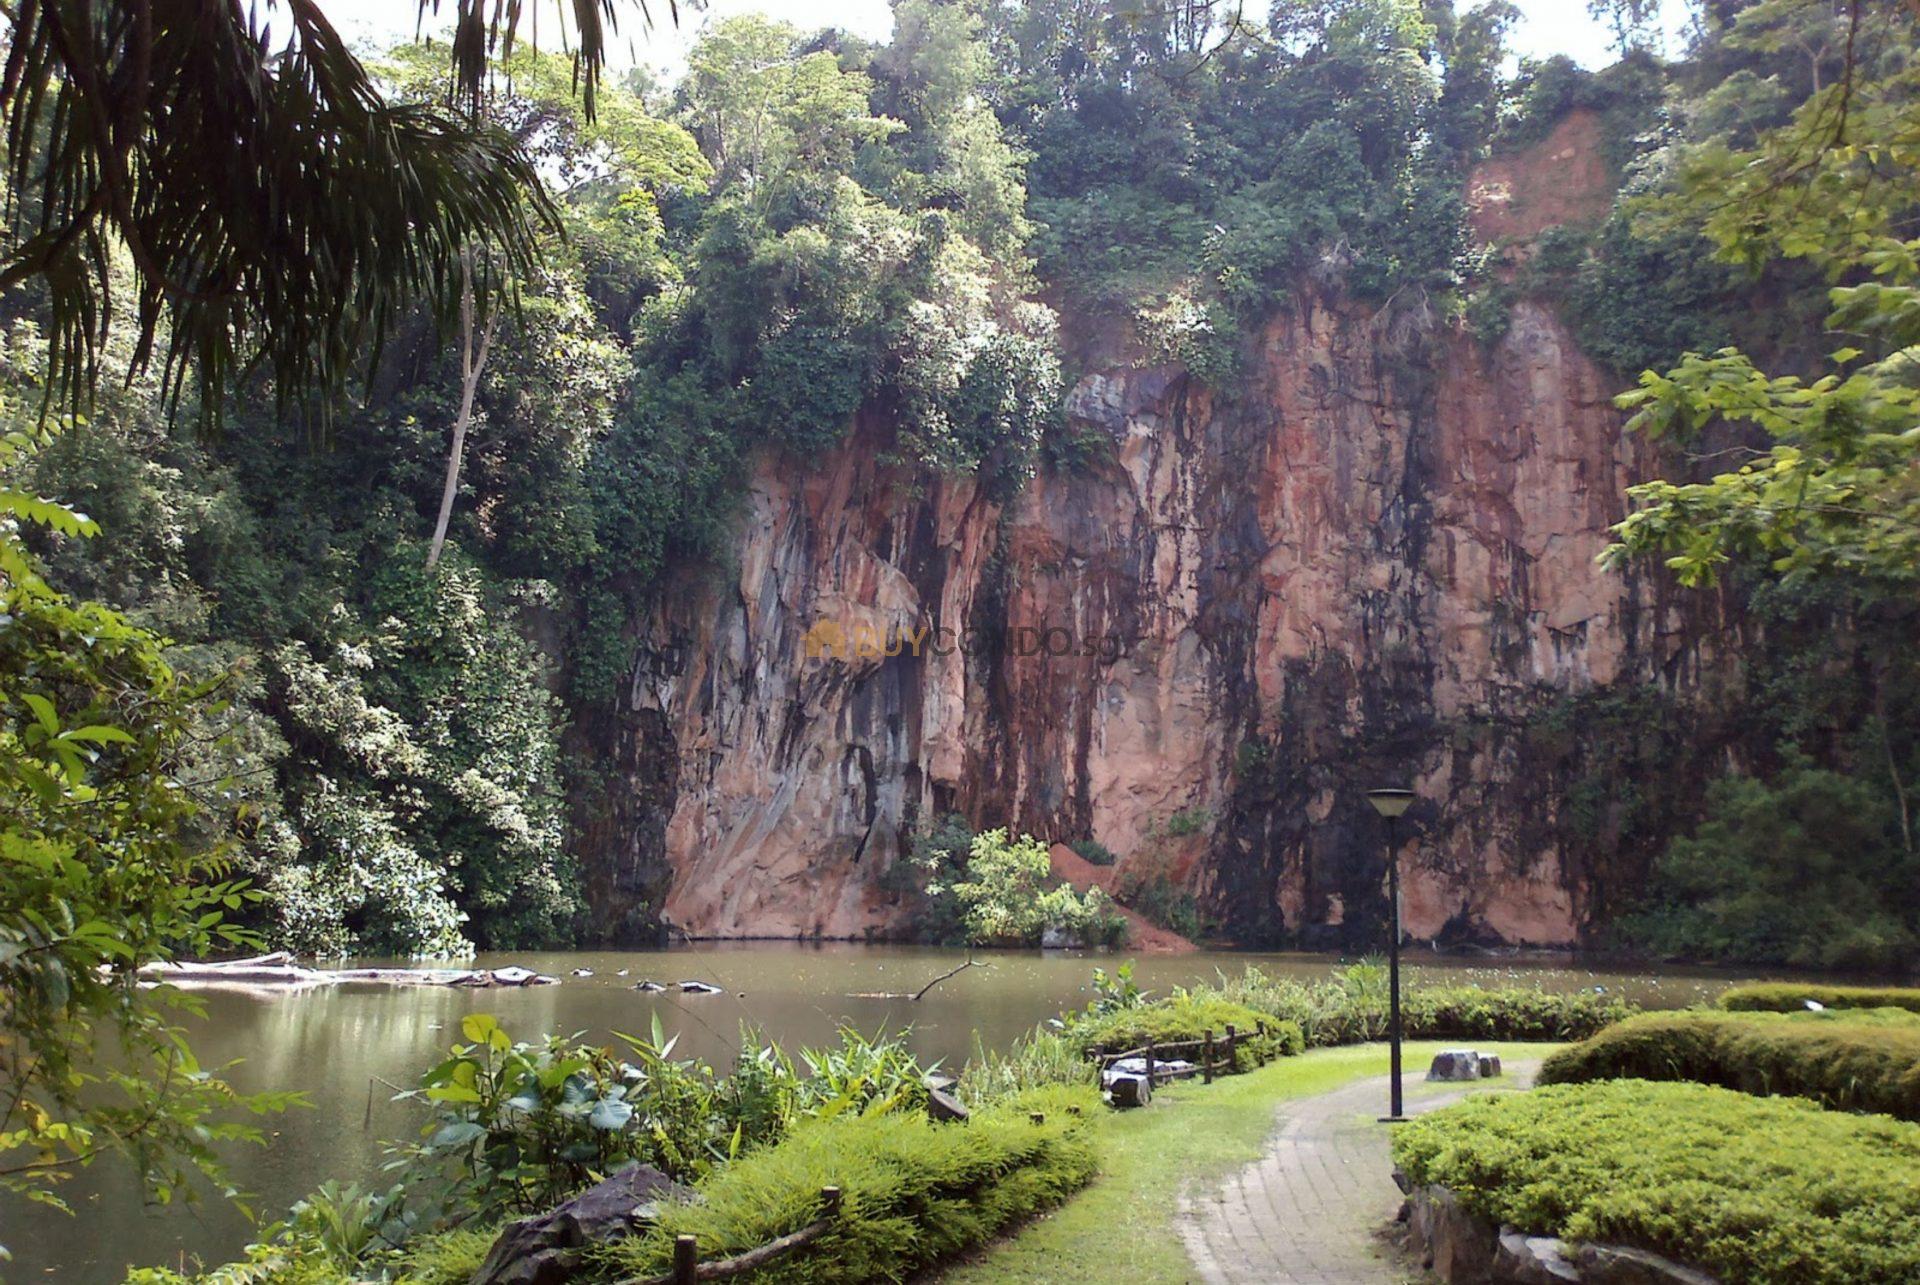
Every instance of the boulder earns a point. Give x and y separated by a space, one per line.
1454 1244
699 988
514 975
1622 1265
583 972
1532 1260
649 988
547 1249
1489 1065
1052 938
1455 1064
943 1106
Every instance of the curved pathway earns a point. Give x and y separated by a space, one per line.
1310 1213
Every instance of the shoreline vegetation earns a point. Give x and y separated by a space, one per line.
1030 1180
515 1127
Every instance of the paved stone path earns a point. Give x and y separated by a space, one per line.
1310 1213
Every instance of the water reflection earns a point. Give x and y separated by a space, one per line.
348 1047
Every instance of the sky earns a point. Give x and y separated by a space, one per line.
1547 26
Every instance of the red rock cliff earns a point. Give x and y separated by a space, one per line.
1373 562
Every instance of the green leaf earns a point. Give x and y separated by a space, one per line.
43 712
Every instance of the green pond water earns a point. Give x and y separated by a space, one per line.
344 1046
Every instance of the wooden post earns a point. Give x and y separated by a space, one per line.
1233 1038
686 1260
1206 1058
1150 1061
830 1198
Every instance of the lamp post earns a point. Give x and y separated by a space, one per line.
1393 804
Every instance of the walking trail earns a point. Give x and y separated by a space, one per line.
1310 1213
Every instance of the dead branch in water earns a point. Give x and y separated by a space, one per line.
971 963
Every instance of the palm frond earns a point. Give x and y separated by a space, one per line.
279 212
483 32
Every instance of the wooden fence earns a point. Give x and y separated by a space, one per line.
687 1267
1206 1056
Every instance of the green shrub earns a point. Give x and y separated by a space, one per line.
912 1192
1786 997
1163 902
1353 1008
1510 1013
1764 1191
1094 852
448 1257
1870 1065
993 889
1188 1016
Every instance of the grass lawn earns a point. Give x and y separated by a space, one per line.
1121 1228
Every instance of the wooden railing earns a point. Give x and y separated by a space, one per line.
687 1267
1214 1056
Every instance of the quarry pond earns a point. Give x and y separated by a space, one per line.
349 1047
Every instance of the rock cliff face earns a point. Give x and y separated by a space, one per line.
1372 562
1375 562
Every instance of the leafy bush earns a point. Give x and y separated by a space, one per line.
1163 902
1005 898
519 1127
912 1192
1186 1016
1353 1008
1849 1061
1510 1013
1764 1191
1789 997
1189 821
1094 852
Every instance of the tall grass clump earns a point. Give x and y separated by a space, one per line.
1038 1059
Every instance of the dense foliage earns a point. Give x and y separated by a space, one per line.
1190 165
105 867
1857 1060
1809 869
1763 1191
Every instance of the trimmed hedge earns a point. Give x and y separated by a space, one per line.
1760 1191
1791 997
1352 1008
1511 1013
1188 1016
912 1192
1862 1061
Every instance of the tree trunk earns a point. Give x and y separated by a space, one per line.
472 362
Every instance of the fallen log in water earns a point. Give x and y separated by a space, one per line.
281 970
